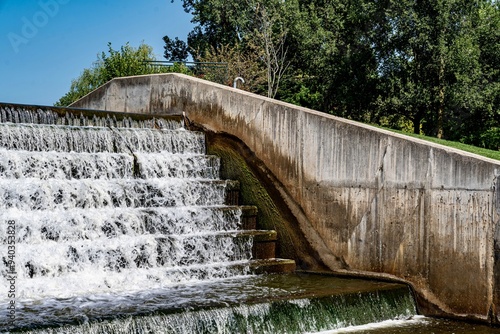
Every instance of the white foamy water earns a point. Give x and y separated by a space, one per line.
48 115
387 324
103 211
35 137
66 165
35 194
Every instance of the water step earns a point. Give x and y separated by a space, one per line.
66 165
248 217
118 253
290 303
109 209
139 280
37 194
273 266
87 224
91 139
16 113
264 243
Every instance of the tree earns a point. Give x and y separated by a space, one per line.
90 79
268 41
426 65
430 63
333 54
239 64
489 35
405 59
218 23
125 62
250 27
175 50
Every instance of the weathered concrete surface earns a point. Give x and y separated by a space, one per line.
367 200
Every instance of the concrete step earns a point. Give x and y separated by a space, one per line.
268 266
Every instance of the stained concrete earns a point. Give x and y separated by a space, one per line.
368 201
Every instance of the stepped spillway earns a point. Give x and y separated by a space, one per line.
99 210
110 224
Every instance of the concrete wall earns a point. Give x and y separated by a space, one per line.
368 200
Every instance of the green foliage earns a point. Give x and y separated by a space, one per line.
175 49
219 22
125 62
431 67
491 138
427 66
115 63
303 97
89 80
240 64
177 68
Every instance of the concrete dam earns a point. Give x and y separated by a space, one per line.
169 204
121 223
348 197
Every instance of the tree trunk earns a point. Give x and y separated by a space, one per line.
441 88
416 123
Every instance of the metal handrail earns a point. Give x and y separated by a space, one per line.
198 68
173 62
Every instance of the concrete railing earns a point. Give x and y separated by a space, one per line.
368 200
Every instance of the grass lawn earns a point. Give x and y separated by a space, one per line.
464 147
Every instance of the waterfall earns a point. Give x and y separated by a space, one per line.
96 211
116 224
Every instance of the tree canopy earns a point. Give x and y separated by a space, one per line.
115 63
426 66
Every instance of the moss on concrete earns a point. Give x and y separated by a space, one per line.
239 163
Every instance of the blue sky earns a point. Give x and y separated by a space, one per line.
44 44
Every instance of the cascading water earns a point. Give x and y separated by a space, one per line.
123 226
97 210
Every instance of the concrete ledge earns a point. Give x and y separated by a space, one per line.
367 200
273 266
68 114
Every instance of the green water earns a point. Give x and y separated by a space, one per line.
288 303
291 303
